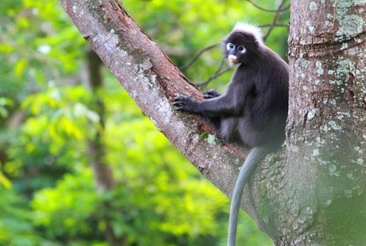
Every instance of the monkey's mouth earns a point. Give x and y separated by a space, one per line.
232 60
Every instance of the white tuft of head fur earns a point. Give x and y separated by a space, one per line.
248 28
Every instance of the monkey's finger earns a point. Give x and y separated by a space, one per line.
178 104
207 96
179 98
178 101
179 107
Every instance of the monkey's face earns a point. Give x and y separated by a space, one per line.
240 47
234 53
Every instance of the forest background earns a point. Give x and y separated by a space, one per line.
48 122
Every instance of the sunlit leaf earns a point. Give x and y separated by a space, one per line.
4 181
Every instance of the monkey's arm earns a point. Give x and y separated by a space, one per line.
213 107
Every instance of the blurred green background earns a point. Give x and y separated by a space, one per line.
54 127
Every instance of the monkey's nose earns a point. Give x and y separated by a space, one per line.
232 60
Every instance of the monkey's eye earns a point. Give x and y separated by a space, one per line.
241 49
230 46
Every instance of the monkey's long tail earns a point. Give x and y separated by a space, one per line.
255 155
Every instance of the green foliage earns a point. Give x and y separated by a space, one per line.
15 221
175 189
65 211
47 188
5 103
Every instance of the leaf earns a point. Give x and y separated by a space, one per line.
19 67
4 181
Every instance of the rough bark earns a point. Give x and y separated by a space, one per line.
311 193
323 200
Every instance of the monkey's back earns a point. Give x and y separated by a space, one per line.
266 108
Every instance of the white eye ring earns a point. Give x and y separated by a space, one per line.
230 46
242 49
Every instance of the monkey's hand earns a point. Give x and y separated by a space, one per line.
183 103
210 94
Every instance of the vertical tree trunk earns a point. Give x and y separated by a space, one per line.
103 174
324 177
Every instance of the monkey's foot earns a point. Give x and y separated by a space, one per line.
210 94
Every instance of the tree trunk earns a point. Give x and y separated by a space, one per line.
312 192
324 200
103 174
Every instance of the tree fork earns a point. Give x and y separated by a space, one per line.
317 195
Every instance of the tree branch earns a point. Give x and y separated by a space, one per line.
279 9
198 56
152 80
220 71
275 19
